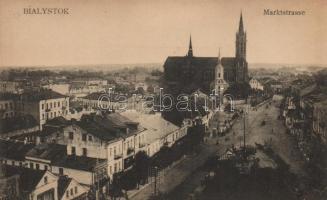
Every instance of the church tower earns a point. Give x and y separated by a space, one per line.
190 50
220 84
241 40
241 65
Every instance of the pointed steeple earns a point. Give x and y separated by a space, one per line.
219 56
190 50
240 27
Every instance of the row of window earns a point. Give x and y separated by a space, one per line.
52 105
54 114
84 150
37 166
117 168
6 106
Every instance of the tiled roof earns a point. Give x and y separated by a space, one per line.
63 183
28 178
96 96
17 123
78 162
8 96
43 94
108 126
14 150
51 152
207 62
157 126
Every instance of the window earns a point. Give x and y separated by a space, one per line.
71 191
37 166
61 171
115 168
67 193
84 137
84 151
59 104
110 169
31 165
73 150
45 180
42 106
76 190
46 167
90 138
20 164
71 135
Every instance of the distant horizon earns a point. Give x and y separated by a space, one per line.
123 65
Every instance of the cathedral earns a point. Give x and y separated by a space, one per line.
185 74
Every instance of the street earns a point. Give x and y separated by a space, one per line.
273 132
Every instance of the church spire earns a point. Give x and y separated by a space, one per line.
219 55
190 50
241 28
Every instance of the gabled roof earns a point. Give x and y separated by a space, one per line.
63 183
28 178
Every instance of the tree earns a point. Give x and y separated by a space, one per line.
115 187
140 90
150 89
141 166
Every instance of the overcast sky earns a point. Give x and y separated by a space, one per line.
145 31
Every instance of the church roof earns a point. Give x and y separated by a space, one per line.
179 61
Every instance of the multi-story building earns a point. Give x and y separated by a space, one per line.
7 107
10 87
255 84
319 120
44 105
111 137
158 131
29 184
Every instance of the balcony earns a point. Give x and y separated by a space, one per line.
130 151
118 156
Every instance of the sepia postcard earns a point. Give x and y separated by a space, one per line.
163 100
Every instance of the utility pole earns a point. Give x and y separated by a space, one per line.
244 135
155 180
